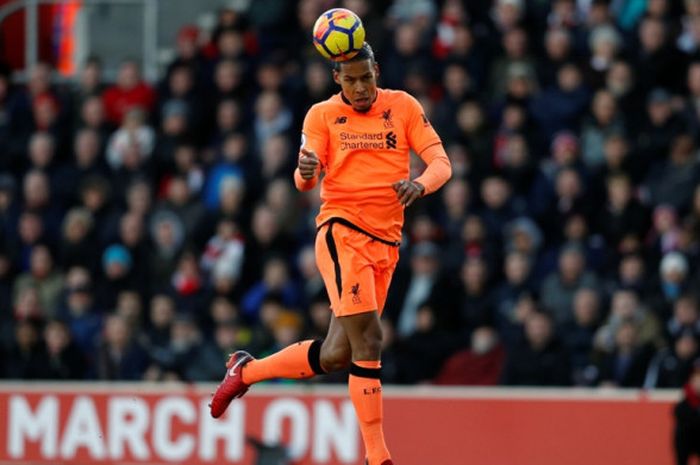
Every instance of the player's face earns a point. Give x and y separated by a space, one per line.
358 81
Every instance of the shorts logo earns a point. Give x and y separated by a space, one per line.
341 120
355 291
386 116
391 140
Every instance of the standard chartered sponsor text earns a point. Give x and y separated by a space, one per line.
361 141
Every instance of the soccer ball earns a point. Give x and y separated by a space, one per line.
338 34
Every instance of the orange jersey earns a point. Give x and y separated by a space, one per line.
363 154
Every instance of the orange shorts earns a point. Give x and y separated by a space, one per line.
356 268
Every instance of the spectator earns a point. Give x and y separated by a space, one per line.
226 248
273 117
194 358
65 361
672 181
673 282
480 365
687 414
116 267
674 366
36 189
558 288
89 82
187 284
578 334
119 356
26 358
626 308
132 143
275 279
80 314
129 92
624 215
79 246
161 316
517 271
44 278
420 355
605 43
627 364
560 107
168 235
686 317
230 336
413 288
605 120
540 360
498 205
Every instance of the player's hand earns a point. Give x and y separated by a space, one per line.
408 191
308 163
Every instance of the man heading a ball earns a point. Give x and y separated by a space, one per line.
361 140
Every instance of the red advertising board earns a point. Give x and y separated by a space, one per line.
146 424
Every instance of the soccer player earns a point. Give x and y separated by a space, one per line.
361 140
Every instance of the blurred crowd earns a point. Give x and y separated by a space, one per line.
148 229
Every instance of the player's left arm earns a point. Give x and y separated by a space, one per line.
427 144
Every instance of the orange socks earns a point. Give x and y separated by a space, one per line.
298 361
366 395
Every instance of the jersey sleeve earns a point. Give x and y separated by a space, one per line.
420 132
314 134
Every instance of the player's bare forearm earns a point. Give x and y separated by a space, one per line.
438 171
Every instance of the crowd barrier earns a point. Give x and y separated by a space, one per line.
128 424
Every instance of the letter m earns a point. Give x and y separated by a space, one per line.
23 424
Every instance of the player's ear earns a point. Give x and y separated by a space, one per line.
376 70
336 76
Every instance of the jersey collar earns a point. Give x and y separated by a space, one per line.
371 107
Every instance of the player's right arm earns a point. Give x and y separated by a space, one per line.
313 150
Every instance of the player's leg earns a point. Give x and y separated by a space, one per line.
365 335
335 350
297 361
357 260
303 359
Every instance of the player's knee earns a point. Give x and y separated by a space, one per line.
371 344
334 358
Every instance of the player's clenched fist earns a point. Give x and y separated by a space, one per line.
408 191
308 163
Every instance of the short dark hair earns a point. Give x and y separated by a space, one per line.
365 53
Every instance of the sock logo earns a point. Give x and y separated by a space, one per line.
391 140
372 390
355 291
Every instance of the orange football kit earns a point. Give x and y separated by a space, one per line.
362 155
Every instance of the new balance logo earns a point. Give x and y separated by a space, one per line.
391 140
341 120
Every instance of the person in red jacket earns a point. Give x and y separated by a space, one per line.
130 91
479 365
